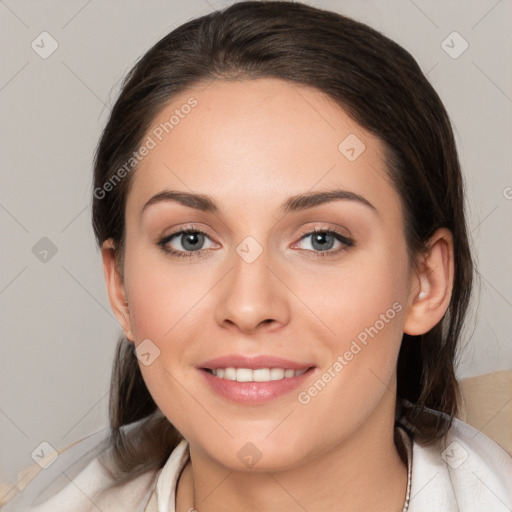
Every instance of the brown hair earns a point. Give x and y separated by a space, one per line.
380 85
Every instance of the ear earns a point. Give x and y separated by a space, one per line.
431 285
115 287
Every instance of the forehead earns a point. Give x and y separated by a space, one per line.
254 140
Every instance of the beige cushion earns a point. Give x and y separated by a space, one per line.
487 405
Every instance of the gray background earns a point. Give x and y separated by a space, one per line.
57 331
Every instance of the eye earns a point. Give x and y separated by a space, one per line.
323 240
189 242
186 242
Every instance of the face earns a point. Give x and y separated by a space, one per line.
261 282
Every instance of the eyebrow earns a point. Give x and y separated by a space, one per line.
296 203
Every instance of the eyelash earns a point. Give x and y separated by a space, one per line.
347 242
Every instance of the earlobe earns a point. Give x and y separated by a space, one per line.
431 285
115 287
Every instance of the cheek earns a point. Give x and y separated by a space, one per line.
165 308
160 295
168 306
358 369
363 307
368 292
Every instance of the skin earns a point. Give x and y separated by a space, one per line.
250 145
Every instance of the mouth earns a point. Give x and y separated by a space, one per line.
254 380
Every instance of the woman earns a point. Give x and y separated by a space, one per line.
279 205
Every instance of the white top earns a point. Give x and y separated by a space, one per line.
464 472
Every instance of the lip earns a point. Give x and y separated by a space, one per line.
253 362
253 393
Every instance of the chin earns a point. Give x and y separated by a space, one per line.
257 455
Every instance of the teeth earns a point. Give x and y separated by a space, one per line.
230 373
257 375
244 375
276 374
261 375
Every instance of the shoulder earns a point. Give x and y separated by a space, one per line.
78 480
465 471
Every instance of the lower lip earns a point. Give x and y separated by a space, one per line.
254 392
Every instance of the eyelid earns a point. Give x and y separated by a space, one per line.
165 239
323 229
185 228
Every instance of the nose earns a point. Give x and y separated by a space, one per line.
252 296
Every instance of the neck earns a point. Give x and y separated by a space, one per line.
364 472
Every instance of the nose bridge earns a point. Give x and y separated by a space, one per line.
251 293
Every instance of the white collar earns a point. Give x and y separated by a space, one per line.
463 472
169 475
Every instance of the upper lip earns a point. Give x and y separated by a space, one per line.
253 362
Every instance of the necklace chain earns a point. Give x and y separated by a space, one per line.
408 447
